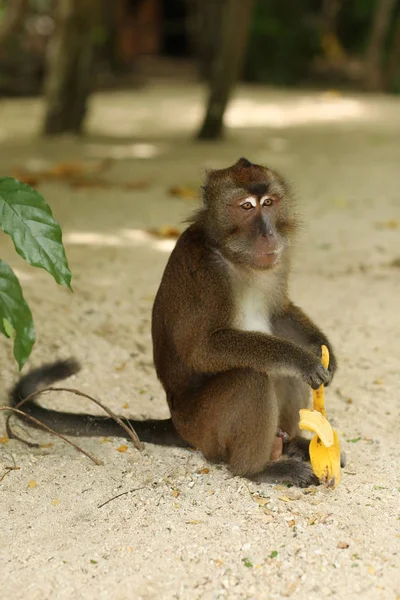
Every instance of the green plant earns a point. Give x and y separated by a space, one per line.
27 218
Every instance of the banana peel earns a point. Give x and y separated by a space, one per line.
325 446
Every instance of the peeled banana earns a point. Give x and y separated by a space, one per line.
325 446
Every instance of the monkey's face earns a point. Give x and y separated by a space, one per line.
249 213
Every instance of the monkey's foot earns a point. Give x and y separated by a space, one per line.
290 471
298 447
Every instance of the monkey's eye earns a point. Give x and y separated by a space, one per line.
268 201
248 203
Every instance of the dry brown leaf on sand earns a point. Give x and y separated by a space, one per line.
290 497
165 231
66 170
122 448
57 171
261 500
74 172
181 191
30 178
91 183
136 185
391 224
342 545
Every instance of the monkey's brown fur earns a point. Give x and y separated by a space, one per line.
235 356
229 389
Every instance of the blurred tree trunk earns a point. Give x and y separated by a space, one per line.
392 76
205 27
12 19
374 55
329 16
227 63
69 66
330 42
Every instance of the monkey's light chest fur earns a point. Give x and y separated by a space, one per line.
254 298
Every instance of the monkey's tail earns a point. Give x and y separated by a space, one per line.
154 431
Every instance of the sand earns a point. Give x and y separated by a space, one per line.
184 528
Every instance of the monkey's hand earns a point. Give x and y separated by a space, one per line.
306 333
332 359
313 372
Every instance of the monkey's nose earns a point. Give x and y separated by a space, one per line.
266 228
269 232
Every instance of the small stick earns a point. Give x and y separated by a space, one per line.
129 430
8 469
121 494
14 436
96 460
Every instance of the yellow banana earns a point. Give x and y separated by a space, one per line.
318 395
313 420
324 447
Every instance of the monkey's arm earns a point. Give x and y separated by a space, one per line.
227 349
295 325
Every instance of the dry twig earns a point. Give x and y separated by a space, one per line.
129 429
8 469
121 494
96 460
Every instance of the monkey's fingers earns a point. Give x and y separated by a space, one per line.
318 395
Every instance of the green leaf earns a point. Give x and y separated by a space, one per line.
15 315
247 563
274 554
354 440
37 237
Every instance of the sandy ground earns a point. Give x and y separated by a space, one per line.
191 530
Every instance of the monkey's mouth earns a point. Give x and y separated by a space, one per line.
268 259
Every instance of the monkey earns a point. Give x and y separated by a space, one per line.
235 356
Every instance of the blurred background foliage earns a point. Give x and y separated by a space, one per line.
327 43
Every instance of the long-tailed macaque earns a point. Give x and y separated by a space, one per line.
235 356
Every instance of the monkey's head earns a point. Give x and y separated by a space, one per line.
248 214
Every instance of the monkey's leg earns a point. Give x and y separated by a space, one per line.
234 418
293 395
